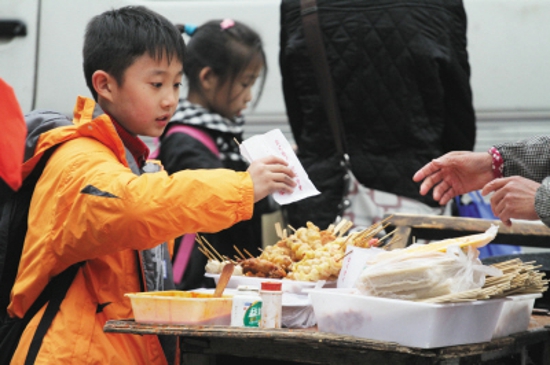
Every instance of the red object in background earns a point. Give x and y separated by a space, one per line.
12 137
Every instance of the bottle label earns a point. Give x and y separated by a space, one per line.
253 315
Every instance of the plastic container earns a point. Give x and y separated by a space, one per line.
247 307
414 324
181 307
272 304
515 314
289 286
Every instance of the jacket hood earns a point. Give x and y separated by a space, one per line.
47 129
38 122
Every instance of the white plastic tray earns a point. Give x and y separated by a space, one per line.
414 324
289 286
515 314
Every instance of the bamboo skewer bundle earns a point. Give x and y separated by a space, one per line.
518 278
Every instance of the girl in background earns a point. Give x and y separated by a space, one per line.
224 59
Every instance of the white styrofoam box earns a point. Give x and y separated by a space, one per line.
515 314
413 324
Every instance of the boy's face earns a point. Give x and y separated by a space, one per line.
147 97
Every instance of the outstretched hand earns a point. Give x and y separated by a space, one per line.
271 174
455 173
513 197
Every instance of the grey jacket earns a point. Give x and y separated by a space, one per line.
530 158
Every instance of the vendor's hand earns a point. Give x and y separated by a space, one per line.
455 173
513 197
271 174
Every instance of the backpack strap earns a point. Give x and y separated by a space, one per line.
188 241
183 255
196 133
55 291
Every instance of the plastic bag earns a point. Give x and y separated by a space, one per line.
414 276
473 205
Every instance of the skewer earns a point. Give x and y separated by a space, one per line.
344 255
237 142
388 235
230 260
207 254
345 229
279 230
205 250
239 252
248 253
212 248
339 226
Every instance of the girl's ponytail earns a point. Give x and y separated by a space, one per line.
188 29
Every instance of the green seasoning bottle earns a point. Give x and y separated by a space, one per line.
247 307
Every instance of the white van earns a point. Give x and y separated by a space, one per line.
508 43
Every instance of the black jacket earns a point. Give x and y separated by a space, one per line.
401 74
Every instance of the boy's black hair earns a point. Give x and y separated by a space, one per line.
115 38
228 52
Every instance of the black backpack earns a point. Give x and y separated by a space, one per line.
13 229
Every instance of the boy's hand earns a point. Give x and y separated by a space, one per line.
271 174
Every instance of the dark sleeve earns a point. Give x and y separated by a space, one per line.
290 19
460 122
529 158
180 151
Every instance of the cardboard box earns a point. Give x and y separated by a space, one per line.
414 324
181 307
515 314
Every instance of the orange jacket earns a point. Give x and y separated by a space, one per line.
67 226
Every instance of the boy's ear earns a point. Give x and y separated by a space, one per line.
103 84
207 78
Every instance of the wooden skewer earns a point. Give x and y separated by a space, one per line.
388 235
279 230
230 260
207 254
340 225
213 249
205 250
237 142
344 255
248 253
239 252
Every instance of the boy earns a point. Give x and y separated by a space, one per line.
90 206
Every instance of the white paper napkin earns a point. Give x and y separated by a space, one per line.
274 143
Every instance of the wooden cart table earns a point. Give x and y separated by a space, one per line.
313 347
